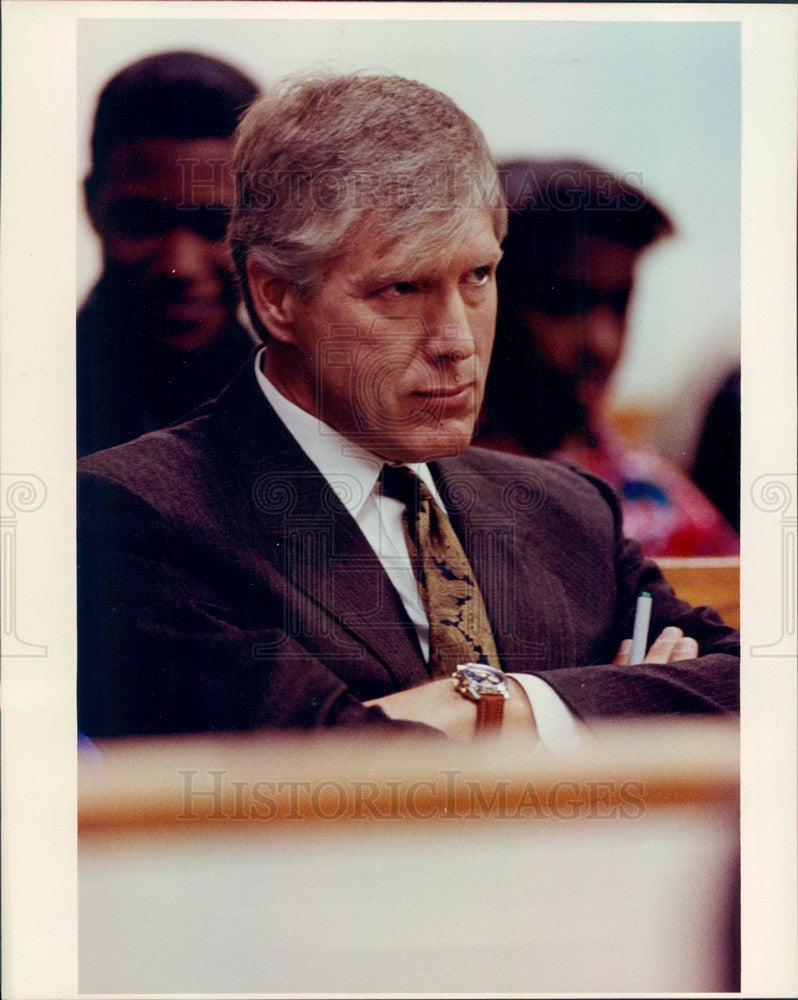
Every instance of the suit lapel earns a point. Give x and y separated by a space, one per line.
525 601
308 536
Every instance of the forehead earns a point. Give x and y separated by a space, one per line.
600 262
195 171
428 252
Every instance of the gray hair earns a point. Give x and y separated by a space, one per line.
319 156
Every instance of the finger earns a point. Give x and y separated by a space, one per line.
624 654
663 645
685 649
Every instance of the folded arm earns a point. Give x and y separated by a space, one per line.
170 641
175 637
439 705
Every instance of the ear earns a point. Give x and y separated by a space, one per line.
274 300
90 199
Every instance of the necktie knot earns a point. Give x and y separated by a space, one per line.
399 483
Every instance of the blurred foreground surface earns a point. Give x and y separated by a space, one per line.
316 864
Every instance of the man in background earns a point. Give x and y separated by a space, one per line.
158 334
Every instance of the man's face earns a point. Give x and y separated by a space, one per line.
579 324
392 354
161 214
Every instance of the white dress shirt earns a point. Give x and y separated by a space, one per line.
352 473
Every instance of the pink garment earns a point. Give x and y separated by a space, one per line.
662 509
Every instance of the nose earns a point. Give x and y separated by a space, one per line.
183 255
449 335
603 333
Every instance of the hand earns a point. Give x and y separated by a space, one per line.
670 646
439 704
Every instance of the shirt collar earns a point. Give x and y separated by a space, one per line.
350 469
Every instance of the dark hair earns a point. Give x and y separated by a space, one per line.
181 95
552 204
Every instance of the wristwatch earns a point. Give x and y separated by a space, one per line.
488 687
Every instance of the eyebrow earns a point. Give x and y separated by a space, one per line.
376 279
413 273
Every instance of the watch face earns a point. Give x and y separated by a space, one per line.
476 679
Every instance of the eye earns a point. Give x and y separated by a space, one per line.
138 218
480 275
208 221
397 290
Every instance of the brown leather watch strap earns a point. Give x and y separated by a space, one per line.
490 712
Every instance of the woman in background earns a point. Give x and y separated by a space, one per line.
575 237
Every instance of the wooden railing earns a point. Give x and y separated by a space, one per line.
315 865
715 582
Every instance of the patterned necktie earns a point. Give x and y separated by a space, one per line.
459 630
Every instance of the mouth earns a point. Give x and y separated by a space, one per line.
445 400
190 324
190 310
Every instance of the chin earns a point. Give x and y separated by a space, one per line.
590 394
190 340
431 444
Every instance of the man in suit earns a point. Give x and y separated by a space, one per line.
285 557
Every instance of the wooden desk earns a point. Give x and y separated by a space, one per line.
254 866
715 582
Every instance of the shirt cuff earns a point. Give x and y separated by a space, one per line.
559 731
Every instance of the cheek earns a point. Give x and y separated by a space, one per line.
381 374
557 342
130 253
483 331
221 258
388 356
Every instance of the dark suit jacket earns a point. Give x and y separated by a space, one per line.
128 382
223 586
